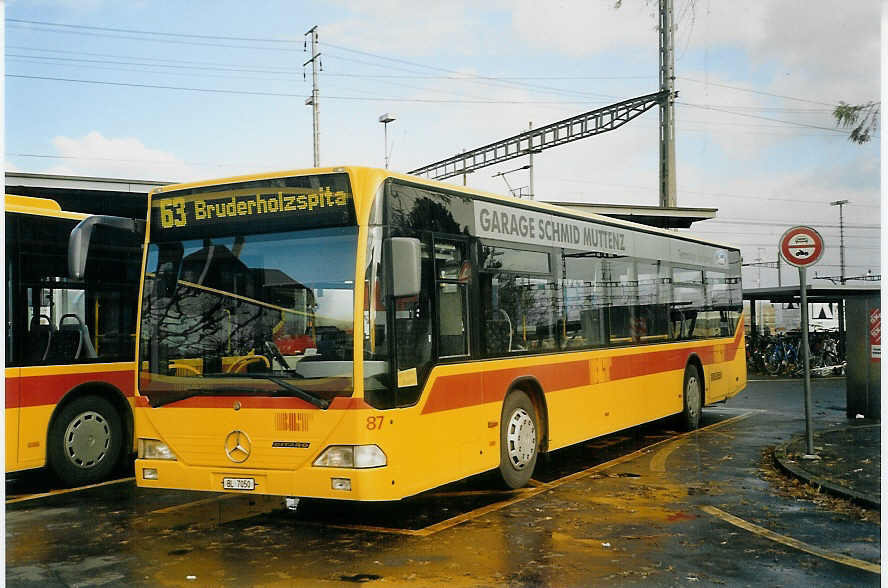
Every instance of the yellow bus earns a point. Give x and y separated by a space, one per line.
360 334
70 345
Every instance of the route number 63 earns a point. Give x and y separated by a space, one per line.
172 213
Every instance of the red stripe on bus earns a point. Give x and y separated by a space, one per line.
49 389
462 390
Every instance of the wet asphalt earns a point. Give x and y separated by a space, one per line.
647 506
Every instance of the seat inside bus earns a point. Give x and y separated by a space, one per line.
40 336
71 340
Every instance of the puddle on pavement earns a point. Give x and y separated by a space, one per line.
441 504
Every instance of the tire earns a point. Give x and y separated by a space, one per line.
519 440
773 360
692 406
85 441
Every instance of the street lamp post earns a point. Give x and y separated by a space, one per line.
385 119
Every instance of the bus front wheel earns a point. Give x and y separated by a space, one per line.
519 440
85 441
689 418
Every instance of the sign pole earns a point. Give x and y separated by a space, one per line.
809 425
802 246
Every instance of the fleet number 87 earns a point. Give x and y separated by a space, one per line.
172 213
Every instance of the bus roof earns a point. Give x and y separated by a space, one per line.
38 206
372 177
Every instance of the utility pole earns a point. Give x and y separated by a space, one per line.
841 309
313 101
668 197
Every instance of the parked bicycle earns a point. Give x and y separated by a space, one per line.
781 354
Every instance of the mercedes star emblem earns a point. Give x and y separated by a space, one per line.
238 446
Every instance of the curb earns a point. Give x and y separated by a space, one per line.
831 487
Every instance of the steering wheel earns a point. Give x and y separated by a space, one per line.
274 353
79 331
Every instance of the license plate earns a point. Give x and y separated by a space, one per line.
238 483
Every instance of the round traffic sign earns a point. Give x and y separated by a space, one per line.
801 246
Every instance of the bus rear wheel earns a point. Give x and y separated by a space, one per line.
519 440
689 418
85 441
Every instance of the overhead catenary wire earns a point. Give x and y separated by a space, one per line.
292 95
788 122
761 92
158 36
262 69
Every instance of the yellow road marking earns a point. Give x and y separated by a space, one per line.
67 490
795 543
658 462
530 493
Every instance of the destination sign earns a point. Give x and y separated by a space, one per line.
254 209
517 225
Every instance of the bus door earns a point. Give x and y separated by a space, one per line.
453 280
433 327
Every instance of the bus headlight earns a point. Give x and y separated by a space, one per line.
154 449
351 456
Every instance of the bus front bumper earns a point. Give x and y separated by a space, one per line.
310 482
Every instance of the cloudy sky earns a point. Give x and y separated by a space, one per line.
183 91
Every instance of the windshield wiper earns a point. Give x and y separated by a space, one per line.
288 390
297 391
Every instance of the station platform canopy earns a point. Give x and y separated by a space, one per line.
86 194
653 216
815 292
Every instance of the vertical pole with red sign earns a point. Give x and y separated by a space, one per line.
802 247
875 334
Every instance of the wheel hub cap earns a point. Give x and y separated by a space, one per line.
87 439
693 396
521 439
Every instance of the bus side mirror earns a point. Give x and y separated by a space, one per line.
78 241
405 256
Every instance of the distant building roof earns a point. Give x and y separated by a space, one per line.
86 194
653 216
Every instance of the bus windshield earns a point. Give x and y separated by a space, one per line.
249 315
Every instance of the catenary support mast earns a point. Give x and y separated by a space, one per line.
313 101
668 197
